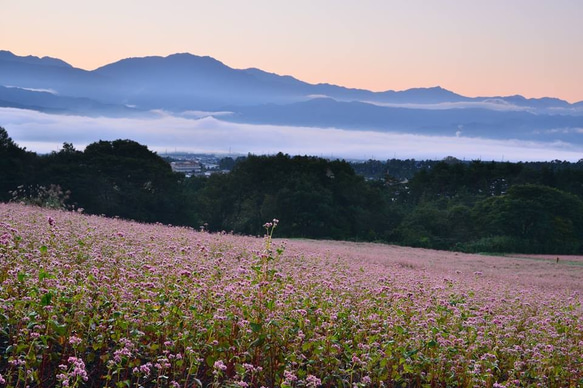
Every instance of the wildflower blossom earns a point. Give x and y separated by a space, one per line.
220 365
74 340
313 381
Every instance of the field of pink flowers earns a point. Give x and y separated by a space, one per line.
91 301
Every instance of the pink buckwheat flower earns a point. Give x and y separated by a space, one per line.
220 365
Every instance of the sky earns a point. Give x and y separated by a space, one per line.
475 48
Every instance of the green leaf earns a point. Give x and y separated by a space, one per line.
46 299
259 341
273 322
256 327
43 249
42 275
411 353
60 329
210 361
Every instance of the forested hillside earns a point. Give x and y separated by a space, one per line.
468 206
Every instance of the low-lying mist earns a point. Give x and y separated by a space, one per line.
41 132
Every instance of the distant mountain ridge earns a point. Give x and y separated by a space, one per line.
185 70
185 82
44 61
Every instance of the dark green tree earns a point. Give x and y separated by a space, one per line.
16 166
313 197
536 218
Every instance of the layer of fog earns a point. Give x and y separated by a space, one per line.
494 104
51 91
43 133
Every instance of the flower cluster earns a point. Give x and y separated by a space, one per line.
73 373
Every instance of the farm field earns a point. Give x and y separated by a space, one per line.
88 301
541 272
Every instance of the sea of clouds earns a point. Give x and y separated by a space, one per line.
204 133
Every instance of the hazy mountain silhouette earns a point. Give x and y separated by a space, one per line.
183 82
189 81
326 112
50 103
32 60
53 74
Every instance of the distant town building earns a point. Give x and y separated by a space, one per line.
188 167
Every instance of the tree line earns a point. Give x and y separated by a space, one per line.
467 206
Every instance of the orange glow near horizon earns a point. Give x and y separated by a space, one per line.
494 48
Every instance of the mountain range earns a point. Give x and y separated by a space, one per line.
193 86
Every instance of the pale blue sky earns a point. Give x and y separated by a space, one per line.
494 47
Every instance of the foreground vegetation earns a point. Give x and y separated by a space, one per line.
98 302
450 205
